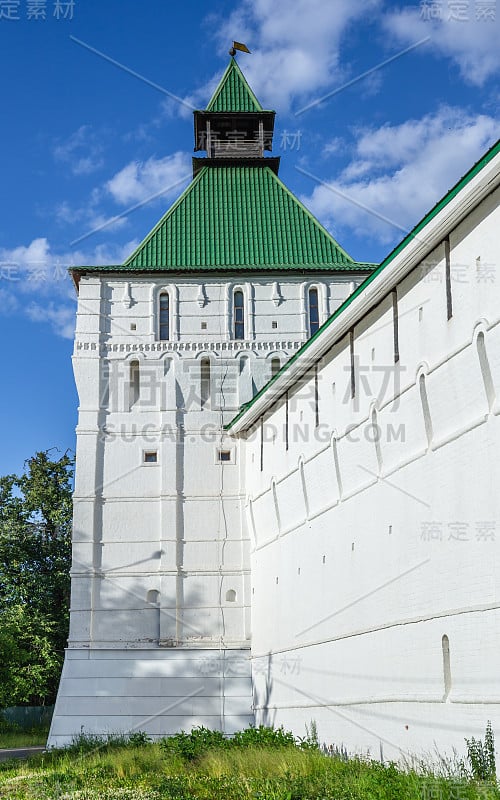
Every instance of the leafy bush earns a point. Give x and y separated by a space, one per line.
139 739
7 726
263 737
481 756
190 746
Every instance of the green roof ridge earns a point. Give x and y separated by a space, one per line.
233 92
238 217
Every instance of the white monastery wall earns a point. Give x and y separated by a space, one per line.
160 603
374 519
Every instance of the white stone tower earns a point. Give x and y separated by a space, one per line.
227 286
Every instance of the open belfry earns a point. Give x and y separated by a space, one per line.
286 503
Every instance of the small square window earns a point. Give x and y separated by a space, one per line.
274 324
133 326
203 326
225 455
151 457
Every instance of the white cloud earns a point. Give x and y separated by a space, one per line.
295 46
82 151
60 317
8 302
400 171
25 262
472 44
334 147
138 182
67 214
40 256
34 280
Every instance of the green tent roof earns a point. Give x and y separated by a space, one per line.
233 92
238 217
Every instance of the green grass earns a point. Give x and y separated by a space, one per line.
192 766
24 738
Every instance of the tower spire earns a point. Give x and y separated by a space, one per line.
234 127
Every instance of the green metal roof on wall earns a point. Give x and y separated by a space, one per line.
238 217
233 92
435 210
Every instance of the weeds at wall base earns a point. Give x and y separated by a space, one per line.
256 764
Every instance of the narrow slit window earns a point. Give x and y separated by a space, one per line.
316 397
164 316
239 315
261 444
104 383
313 311
135 386
445 645
396 324
486 370
205 382
276 506
426 409
353 365
286 420
447 255
275 366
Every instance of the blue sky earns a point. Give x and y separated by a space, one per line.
84 140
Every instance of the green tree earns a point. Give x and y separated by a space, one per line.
35 559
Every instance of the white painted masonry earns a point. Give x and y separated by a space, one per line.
160 605
370 469
318 545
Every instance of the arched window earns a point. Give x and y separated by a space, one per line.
135 385
205 382
275 366
313 311
239 315
164 316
